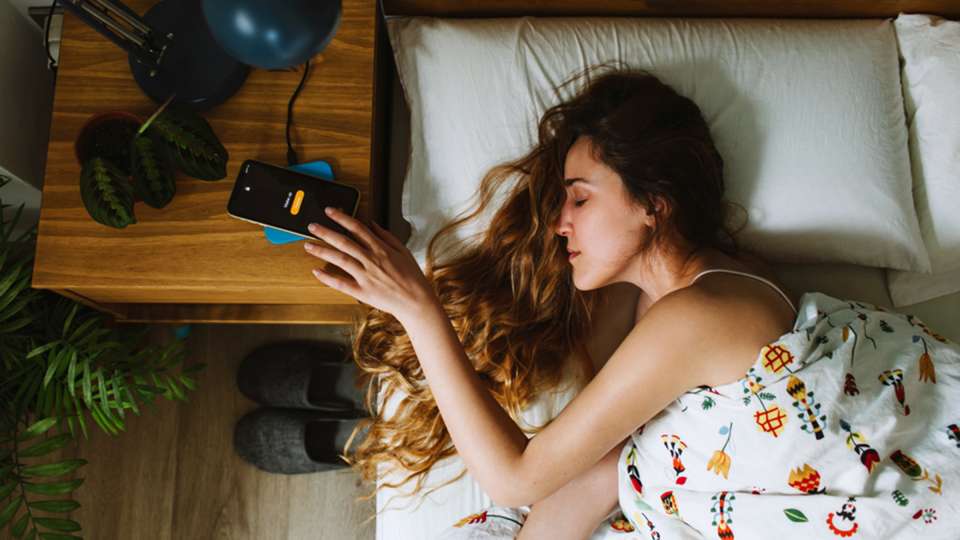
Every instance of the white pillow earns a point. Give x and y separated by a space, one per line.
930 49
807 115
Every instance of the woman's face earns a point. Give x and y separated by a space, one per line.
599 220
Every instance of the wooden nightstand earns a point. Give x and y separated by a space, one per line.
190 261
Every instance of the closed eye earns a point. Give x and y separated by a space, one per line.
579 203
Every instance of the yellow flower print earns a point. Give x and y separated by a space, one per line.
806 479
720 461
771 420
776 358
927 373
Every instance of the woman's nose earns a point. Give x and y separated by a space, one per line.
562 226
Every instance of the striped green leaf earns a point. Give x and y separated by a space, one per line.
20 525
54 469
58 524
193 146
106 193
46 446
36 429
52 488
55 506
7 489
7 513
153 171
795 515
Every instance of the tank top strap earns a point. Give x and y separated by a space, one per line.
745 274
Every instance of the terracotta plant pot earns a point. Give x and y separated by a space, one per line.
108 135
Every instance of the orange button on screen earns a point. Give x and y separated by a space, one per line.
297 200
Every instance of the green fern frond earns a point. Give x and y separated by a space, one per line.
60 362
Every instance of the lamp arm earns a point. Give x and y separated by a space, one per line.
121 25
123 12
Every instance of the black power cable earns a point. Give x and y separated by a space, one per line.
291 154
51 63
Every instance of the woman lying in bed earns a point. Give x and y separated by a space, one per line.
728 397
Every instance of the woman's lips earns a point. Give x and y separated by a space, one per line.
574 254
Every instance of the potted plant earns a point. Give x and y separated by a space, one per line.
61 362
108 135
125 160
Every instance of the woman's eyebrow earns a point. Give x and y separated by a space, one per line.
567 182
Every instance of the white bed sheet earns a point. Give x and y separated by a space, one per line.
423 518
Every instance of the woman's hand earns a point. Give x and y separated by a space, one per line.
385 274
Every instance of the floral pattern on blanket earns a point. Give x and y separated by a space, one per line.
499 523
845 427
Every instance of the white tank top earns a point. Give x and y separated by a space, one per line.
768 282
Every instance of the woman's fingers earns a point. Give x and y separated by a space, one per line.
387 237
343 285
386 276
358 229
342 260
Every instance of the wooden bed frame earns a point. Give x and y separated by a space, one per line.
671 8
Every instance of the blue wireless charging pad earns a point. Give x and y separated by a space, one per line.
320 169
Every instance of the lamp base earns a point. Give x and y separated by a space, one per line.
194 67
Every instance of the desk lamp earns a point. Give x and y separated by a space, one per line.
201 52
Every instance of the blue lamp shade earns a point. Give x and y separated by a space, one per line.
272 34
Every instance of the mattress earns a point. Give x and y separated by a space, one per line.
420 517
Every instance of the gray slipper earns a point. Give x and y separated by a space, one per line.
301 374
294 441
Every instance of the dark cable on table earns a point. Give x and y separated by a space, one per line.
291 154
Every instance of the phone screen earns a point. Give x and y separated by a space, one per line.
288 200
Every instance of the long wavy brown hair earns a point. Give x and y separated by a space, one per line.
510 296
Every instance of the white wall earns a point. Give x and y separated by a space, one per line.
26 95
22 5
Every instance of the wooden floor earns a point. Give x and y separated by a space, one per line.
174 474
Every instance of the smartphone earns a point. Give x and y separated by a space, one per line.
276 197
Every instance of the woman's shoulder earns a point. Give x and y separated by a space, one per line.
738 315
751 263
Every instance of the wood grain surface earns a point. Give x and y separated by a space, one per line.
192 252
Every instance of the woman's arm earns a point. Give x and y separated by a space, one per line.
614 315
664 355
574 511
